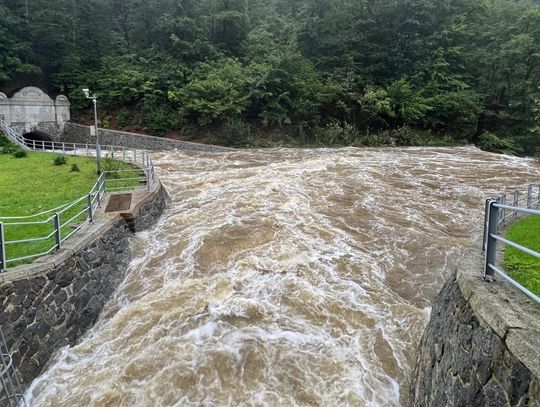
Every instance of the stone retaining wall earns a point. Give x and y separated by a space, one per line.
481 346
52 302
76 133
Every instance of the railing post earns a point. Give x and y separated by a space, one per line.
100 184
57 231
74 149
516 204
33 144
485 235
3 258
90 215
490 242
529 197
503 211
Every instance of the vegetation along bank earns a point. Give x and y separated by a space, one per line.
289 72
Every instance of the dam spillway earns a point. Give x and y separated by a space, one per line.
283 277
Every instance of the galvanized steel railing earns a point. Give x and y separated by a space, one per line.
10 390
59 224
498 212
12 135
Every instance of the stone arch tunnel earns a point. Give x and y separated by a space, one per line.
39 137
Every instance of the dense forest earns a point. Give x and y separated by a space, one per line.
257 72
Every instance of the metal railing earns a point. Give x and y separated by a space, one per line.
50 229
12 135
10 390
498 212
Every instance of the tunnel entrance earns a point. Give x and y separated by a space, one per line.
39 139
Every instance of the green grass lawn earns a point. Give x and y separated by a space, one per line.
34 184
523 267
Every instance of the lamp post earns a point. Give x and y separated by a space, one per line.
95 128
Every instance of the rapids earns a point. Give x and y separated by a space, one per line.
283 277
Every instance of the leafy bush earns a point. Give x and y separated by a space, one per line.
336 134
19 153
235 133
111 166
383 138
75 168
405 136
495 144
159 118
125 118
6 146
60 160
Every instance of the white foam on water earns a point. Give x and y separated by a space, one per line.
283 277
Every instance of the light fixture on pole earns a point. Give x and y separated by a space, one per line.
94 129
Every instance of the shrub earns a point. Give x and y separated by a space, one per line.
60 160
19 154
75 168
111 166
405 136
235 133
383 138
336 134
125 118
493 143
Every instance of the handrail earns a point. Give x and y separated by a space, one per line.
35 215
495 217
144 175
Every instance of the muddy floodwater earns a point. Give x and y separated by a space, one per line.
283 278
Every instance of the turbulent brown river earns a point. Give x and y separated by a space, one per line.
283 278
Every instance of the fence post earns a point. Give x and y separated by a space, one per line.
100 185
529 197
3 258
90 215
33 144
490 242
486 219
57 231
74 149
516 204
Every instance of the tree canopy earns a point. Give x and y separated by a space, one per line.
458 68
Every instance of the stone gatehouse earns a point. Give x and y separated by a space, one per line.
32 111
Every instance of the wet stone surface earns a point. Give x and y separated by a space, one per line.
464 363
42 314
48 312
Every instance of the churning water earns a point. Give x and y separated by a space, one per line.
283 278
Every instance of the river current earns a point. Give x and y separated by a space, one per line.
283 278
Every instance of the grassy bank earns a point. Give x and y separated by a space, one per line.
523 267
34 183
